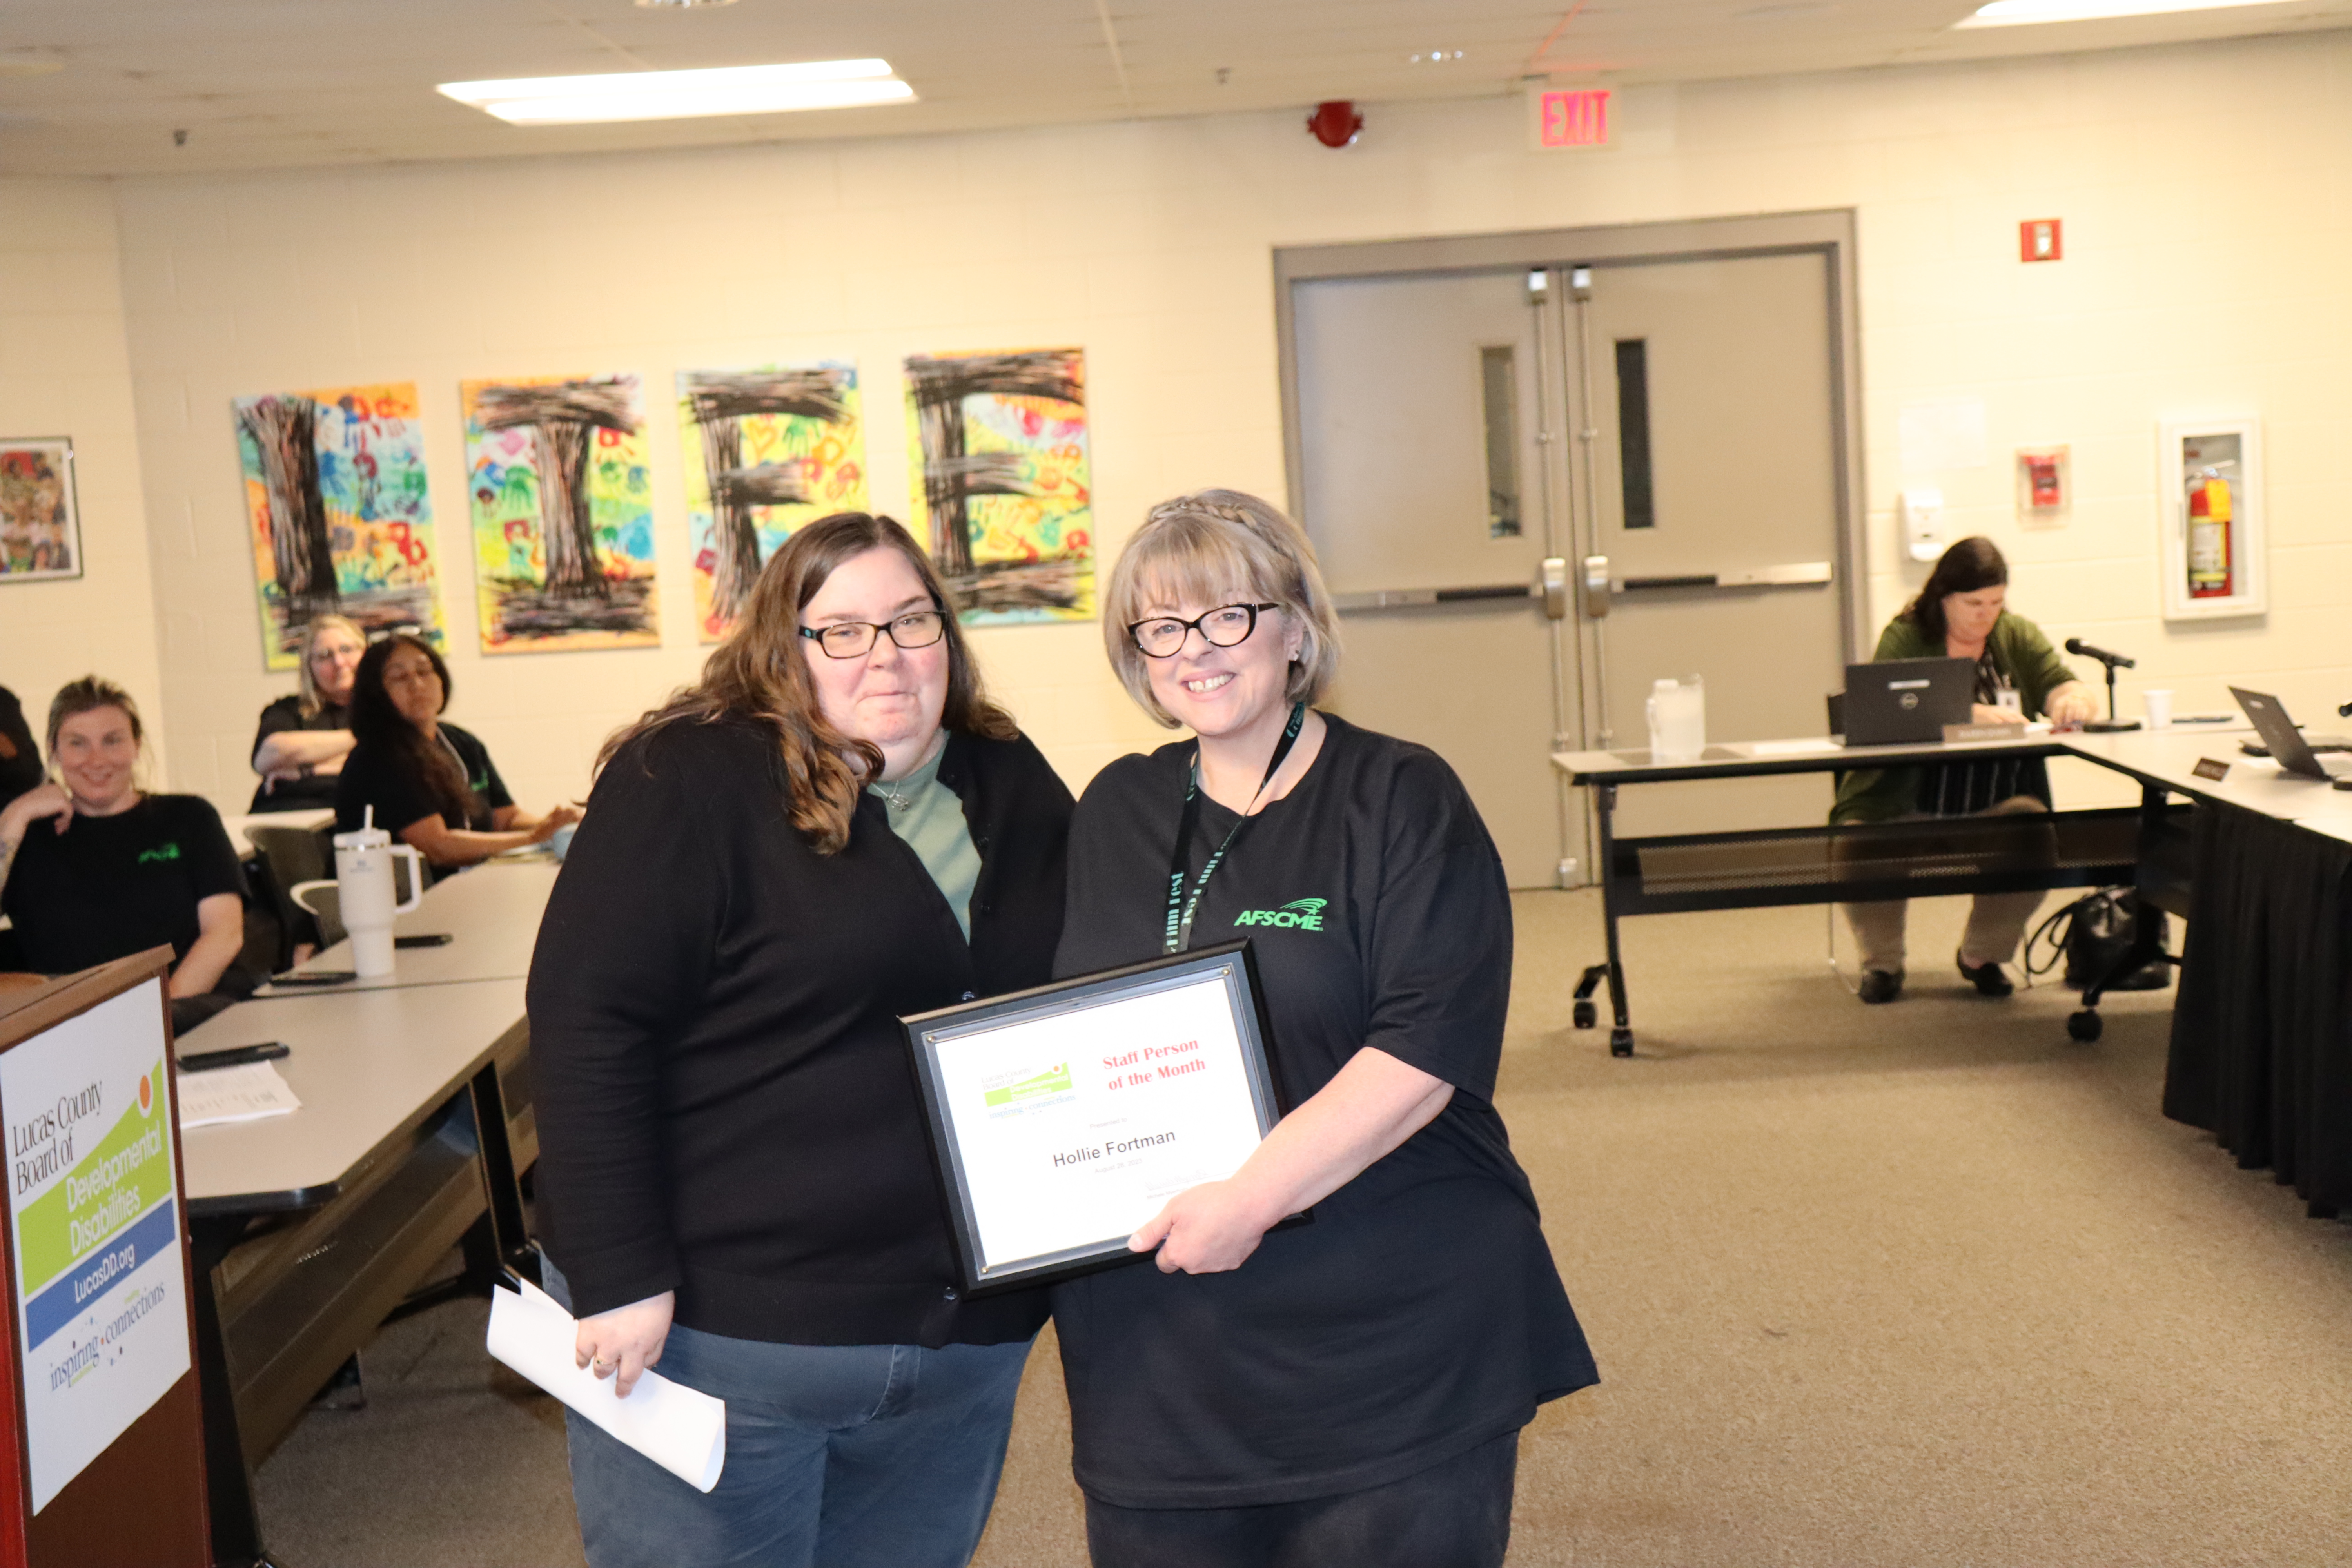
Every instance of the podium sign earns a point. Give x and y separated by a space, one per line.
102 1351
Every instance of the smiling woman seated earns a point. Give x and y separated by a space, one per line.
432 785
92 868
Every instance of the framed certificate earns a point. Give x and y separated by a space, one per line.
1065 1117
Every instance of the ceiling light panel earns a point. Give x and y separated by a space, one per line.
683 95
2021 13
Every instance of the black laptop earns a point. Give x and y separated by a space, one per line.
2286 742
1906 702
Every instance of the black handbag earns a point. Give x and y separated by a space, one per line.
2094 932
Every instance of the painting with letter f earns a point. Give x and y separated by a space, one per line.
766 451
340 522
557 481
1007 493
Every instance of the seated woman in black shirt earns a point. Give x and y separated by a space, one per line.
93 869
299 747
433 785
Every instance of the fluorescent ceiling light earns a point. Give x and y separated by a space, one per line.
683 95
2017 12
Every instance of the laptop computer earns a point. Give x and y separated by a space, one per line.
2268 715
1906 702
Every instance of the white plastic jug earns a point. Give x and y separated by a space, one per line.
1677 720
363 887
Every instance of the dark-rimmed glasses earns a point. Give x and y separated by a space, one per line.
855 639
1162 637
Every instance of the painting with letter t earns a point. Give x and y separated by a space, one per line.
766 451
1007 491
340 517
557 481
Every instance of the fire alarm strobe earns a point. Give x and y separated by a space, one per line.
2037 240
1335 123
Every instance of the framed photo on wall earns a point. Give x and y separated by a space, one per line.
40 525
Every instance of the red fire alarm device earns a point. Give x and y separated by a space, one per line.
1576 117
2037 239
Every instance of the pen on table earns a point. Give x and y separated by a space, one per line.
234 1056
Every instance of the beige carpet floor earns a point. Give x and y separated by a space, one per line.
1926 1284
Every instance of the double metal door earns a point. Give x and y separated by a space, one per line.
1536 490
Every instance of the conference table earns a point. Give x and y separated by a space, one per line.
2258 861
311 1228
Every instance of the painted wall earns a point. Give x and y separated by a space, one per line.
2208 241
64 372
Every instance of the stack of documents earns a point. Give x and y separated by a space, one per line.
681 1429
234 1094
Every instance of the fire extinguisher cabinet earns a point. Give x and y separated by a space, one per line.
2209 500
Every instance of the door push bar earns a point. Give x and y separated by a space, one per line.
1599 584
1549 587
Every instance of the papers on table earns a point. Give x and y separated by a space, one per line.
1792 748
241 1093
679 1428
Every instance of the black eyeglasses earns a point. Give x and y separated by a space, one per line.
855 639
1162 637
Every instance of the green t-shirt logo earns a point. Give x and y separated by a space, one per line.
1299 914
167 851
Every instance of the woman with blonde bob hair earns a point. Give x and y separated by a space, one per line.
300 743
1349 1390
835 826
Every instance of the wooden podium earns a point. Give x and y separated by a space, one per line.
103 1447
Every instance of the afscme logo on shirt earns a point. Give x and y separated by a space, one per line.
1305 914
167 851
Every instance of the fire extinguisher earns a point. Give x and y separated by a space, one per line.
2210 574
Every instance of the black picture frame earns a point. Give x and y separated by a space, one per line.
928 1034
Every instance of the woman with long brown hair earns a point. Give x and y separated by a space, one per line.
833 827
432 785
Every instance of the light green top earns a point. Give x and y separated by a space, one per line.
931 824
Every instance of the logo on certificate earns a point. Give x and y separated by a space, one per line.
1021 1087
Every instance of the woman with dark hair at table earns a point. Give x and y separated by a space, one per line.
1347 1392
432 785
834 827
1960 612
300 746
93 869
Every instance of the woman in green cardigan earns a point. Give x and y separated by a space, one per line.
1959 613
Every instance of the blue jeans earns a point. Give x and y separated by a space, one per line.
837 1456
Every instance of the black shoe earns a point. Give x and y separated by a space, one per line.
1987 978
1878 985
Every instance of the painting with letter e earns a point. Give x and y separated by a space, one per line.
101 1294
1006 488
1065 1117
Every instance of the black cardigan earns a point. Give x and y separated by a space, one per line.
726 1108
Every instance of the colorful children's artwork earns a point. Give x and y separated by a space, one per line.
1006 498
334 489
766 451
40 531
562 500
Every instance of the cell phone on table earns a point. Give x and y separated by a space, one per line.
425 939
315 977
235 1056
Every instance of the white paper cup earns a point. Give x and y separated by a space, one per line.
2158 703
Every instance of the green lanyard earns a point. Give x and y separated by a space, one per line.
1181 909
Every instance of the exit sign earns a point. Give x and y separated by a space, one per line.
1571 116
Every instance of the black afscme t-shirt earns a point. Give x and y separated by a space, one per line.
111 886
1420 1314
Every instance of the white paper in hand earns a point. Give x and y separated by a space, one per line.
681 1429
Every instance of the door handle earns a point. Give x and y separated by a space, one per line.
1596 587
1800 573
1551 580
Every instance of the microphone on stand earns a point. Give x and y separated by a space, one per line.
2114 661
2111 660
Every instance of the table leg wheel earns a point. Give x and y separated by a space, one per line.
2084 1025
1621 1042
1586 1016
